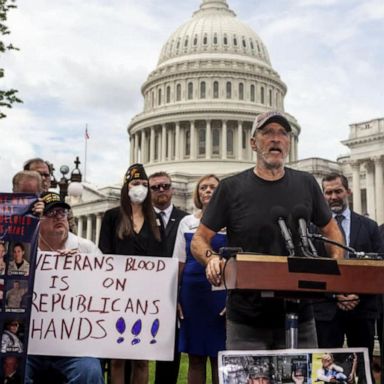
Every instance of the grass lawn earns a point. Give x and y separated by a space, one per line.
182 373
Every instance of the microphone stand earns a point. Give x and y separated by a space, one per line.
358 255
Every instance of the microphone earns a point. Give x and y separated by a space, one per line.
300 214
280 214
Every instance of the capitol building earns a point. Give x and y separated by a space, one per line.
213 76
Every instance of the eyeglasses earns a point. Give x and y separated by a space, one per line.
157 187
57 213
46 175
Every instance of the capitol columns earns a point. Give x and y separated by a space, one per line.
208 140
193 140
370 188
143 147
240 140
98 227
177 140
379 189
163 142
80 225
89 228
356 193
136 144
152 146
224 140
132 150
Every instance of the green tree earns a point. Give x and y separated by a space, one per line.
8 96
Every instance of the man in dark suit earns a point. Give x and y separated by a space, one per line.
348 315
160 184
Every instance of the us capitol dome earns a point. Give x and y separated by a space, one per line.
214 75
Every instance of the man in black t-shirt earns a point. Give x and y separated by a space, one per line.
243 204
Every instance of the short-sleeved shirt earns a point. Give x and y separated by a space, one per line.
242 204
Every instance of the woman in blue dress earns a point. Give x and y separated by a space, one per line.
201 310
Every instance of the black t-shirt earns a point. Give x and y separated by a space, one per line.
243 203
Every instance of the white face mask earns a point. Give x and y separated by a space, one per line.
138 193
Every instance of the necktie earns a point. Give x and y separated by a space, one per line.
339 219
162 215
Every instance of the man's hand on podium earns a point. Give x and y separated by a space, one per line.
213 270
347 302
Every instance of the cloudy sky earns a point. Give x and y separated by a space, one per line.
83 62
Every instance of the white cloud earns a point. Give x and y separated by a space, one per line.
83 62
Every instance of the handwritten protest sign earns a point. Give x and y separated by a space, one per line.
18 245
104 306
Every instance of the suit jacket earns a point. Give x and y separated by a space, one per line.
364 237
171 229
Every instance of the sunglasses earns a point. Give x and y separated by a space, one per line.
157 187
57 213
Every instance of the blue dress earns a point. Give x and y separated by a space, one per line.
202 331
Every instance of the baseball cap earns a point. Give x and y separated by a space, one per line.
51 200
270 117
135 172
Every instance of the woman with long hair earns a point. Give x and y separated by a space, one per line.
201 310
132 229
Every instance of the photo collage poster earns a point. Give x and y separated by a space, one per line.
18 247
344 366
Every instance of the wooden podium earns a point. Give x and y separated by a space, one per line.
302 274
302 277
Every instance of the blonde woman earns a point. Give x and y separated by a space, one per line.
201 311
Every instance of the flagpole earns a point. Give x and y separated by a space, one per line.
85 151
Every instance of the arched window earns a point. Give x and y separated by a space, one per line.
187 141
262 97
244 43
229 89
186 42
252 92
235 41
159 97
216 141
225 40
270 97
230 135
178 92
241 91
215 39
215 89
153 99
202 90
205 40
202 141
195 40
251 42
168 94
190 91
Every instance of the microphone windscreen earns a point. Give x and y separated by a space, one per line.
277 212
300 211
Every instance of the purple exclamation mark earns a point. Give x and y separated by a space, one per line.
120 326
154 329
136 329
